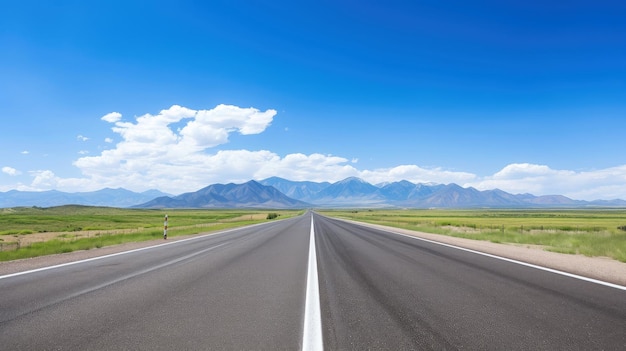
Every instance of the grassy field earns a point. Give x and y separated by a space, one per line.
30 232
590 232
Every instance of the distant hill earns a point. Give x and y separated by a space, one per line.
349 191
105 197
304 191
277 193
355 192
405 191
248 195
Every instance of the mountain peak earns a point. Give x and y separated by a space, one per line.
251 194
352 180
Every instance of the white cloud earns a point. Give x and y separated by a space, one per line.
205 128
300 167
153 155
517 178
83 152
25 152
82 138
44 180
11 171
212 127
112 117
416 174
108 140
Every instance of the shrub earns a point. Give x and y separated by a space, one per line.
272 215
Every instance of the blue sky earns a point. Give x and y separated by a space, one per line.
176 95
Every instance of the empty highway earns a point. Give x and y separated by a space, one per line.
253 288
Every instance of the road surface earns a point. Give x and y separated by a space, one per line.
249 288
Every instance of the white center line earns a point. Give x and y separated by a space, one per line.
312 335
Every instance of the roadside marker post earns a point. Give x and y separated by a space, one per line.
165 228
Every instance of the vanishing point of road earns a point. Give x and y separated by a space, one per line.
308 282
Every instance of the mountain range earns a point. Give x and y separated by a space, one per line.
355 192
281 193
248 195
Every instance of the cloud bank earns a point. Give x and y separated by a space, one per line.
173 151
606 184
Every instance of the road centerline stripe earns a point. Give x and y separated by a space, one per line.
312 334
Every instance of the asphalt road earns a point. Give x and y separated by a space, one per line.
247 289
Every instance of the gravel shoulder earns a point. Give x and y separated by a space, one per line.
601 268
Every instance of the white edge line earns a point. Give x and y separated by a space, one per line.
571 275
150 269
121 253
312 333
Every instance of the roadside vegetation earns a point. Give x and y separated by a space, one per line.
34 231
589 232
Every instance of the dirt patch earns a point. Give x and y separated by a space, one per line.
464 230
247 217
27 239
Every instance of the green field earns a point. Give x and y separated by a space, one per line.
590 232
30 232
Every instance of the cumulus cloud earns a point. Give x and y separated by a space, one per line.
82 138
212 127
152 154
203 128
108 140
45 179
416 174
517 178
301 167
11 171
112 117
